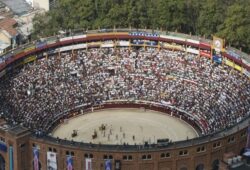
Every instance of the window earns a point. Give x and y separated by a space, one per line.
165 155
231 139
107 157
127 157
183 153
22 145
70 153
88 155
35 146
216 145
2 139
54 150
201 149
243 134
144 157
91 156
50 149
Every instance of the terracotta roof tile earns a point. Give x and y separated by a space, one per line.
8 24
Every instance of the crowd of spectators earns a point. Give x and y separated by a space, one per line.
35 95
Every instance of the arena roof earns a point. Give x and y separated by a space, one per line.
18 130
19 7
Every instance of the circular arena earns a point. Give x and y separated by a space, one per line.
139 99
129 126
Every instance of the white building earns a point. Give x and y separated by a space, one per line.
44 4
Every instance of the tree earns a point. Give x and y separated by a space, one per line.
226 18
236 27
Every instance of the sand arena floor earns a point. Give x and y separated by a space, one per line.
122 124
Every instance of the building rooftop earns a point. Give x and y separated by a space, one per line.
8 24
3 45
19 7
18 130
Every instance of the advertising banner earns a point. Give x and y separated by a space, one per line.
237 67
229 63
69 162
88 163
117 165
248 138
41 44
3 147
205 54
51 161
36 159
233 53
11 158
217 59
218 44
108 165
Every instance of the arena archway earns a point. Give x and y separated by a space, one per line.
215 164
200 167
2 163
183 168
242 151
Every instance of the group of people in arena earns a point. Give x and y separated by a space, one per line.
35 95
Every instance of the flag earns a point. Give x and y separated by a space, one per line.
69 162
248 138
36 158
217 44
108 165
51 161
117 165
88 164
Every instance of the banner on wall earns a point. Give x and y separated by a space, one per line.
248 138
117 165
36 158
88 163
11 158
108 165
51 161
217 59
69 162
3 146
217 44
205 54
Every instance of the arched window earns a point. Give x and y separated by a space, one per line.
2 163
200 167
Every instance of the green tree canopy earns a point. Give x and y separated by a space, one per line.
229 19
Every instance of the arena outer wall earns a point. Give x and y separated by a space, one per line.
183 155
